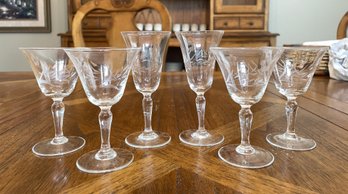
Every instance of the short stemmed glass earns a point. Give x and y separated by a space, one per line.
246 72
146 72
56 77
199 66
103 73
293 74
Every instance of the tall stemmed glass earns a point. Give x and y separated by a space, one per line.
246 72
293 74
146 73
199 65
56 77
103 73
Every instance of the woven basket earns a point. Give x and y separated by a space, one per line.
323 68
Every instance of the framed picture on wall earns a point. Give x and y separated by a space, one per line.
23 16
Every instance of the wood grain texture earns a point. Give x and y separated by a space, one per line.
342 27
122 18
25 119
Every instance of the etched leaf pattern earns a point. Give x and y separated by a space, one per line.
103 73
55 74
294 70
294 64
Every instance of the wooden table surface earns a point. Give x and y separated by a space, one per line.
25 119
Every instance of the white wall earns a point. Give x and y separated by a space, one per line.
295 20
298 21
11 59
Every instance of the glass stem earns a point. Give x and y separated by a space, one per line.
245 120
105 120
147 110
200 105
57 110
291 110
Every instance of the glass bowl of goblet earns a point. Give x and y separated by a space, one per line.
56 77
246 73
104 73
199 66
293 74
146 73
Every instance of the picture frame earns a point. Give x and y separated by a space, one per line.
25 16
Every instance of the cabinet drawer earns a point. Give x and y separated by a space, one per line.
239 23
226 23
251 23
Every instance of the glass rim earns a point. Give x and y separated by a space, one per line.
199 32
99 49
42 48
306 48
146 32
271 47
245 48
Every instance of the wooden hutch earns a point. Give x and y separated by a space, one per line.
245 22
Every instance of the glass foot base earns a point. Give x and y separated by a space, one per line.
90 164
290 142
258 158
152 140
46 148
194 138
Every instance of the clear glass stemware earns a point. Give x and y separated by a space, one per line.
103 73
199 66
293 74
56 77
146 72
246 72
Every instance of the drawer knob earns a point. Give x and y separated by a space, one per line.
225 23
251 23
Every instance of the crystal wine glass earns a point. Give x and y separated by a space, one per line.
293 74
199 65
246 72
56 77
146 73
103 73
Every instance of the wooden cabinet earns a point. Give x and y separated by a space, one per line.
240 15
245 22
